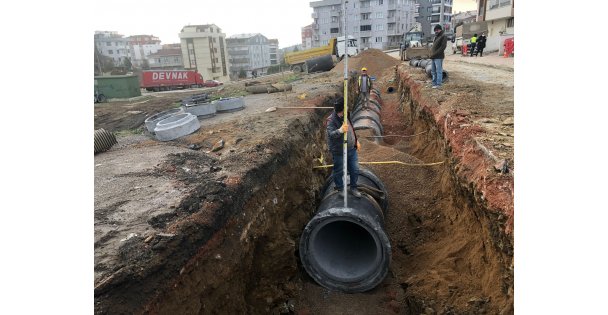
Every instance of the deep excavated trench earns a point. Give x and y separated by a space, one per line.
448 253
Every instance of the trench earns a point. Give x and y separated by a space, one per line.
448 254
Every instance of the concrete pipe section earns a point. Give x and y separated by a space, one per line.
176 126
347 249
202 110
230 104
151 121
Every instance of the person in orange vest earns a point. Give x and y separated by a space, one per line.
365 85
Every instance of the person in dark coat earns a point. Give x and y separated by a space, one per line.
437 56
335 141
481 44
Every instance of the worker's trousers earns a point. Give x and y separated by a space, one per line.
352 164
437 71
365 96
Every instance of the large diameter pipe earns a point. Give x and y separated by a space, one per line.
347 248
319 64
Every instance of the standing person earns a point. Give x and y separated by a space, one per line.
335 135
481 44
473 44
365 85
437 55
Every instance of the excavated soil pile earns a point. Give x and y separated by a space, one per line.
373 59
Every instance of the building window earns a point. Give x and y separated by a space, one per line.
378 39
493 4
379 15
108 43
366 28
379 27
510 22
365 16
334 30
505 2
364 40
380 2
110 52
334 19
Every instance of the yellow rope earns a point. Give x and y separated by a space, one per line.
386 162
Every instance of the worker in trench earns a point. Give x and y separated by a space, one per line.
365 85
335 135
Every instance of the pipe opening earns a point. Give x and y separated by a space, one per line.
344 251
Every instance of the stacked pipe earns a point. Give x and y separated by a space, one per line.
427 65
347 248
366 116
196 99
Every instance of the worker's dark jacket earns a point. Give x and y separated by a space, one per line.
481 42
335 139
439 45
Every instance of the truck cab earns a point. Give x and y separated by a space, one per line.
351 47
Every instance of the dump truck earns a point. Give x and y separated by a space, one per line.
335 47
163 80
412 44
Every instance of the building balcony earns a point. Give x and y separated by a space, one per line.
334 24
365 10
391 19
334 13
315 26
365 33
314 15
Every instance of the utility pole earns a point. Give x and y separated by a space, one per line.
345 146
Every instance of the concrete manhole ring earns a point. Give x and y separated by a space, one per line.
151 121
176 126
230 104
202 110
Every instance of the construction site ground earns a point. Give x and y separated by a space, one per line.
181 228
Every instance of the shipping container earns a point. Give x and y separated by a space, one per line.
162 80
118 86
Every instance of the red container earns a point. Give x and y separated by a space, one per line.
161 80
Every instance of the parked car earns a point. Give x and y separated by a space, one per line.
212 83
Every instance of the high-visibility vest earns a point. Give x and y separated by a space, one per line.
368 82
473 40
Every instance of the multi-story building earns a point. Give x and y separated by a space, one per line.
248 53
141 46
500 18
433 12
112 45
307 36
375 23
274 51
204 49
465 17
166 59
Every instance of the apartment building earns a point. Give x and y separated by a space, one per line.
274 51
500 18
113 45
465 17
249 52
204 49
166 59
307 37
141 46
375 23
432 12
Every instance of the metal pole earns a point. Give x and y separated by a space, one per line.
345 146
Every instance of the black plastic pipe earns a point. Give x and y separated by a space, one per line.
319 64
347 248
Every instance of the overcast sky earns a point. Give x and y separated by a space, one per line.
281 19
